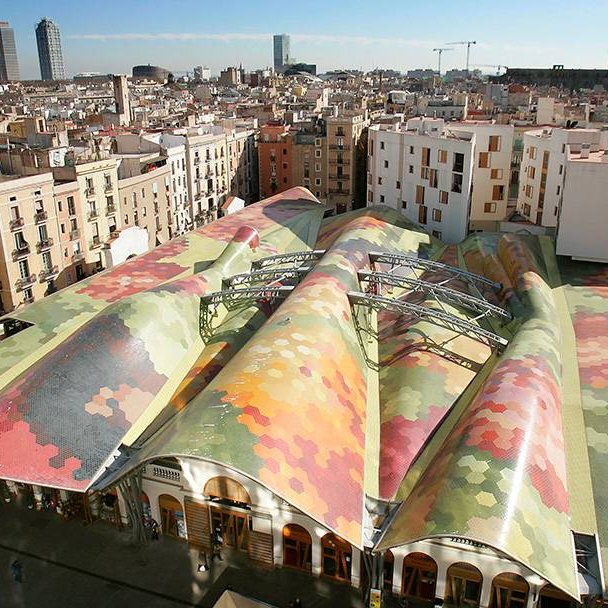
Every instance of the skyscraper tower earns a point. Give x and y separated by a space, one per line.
281 52
9 67
121 98
49 50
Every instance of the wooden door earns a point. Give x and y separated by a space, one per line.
509 591
297 548
234 526
337 554
463 587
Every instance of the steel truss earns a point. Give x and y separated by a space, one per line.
289 258
437 317
411 261
236 298
269 275
479 306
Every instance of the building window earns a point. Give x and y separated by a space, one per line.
532 152
458 166
59 207
531 172
398 185
496 174
426 157
381 145
411 149
498 193
422 214
484 160
382 198
528 190
410 168
317 181
318 142
126 219
370 196
489 208
403 204
379 181
559 189
561 169
443 197
436 215
437 234
456 182
419 195
317 153
494 143
442 156
318 167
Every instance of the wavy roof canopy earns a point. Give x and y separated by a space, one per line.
297 397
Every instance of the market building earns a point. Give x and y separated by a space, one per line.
344 396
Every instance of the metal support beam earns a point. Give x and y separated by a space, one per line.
289 258
269 275
233 299
411 261
479 306
437 317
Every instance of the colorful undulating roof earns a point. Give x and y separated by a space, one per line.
295 394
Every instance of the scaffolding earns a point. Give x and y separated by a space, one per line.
296 257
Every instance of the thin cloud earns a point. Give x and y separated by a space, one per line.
263 37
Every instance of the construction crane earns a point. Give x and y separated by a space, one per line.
490 65
468 43
439 51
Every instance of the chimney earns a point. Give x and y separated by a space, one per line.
585 150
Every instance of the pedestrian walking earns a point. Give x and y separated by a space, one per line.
216 542
203 564
17 571
154 530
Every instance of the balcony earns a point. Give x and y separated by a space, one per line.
74 235
92 214
339 161
156 208
48 273
164 473
40 216
197 160
77 257
23 282
114 234
44 244
90 191
95 242
339 147
110 209
109 186
16 223
339 176
338 191
21 251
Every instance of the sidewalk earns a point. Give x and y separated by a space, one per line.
73 565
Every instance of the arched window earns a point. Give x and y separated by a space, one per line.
551 597
509 590
226 489
336 557
463 585
297 547
419 576
172 516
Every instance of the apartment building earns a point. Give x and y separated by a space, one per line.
542 171
275 159
242 163
425 172
30 249
309 151
493 145
583 215
145 201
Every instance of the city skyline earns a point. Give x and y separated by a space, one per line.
341 38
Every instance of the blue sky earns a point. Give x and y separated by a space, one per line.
113 35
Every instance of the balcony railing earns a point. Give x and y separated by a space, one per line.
74 235
24 282
339 176
94 242
48 273
338 191
40 216
16 223
109 186
21 251
110 209
90 191
197 160
339 147
165 473
92 214
44 244
114 234
339 161
77 257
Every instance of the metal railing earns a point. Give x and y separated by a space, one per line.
48 273
40 216
24 282
110 209
94 242
21 251
92 214
77 257
44 244
74 234
109 186
16 223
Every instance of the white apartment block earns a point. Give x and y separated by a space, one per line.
491 172
427 168
542 171
583 215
